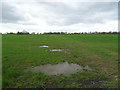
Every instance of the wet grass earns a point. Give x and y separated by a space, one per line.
99 52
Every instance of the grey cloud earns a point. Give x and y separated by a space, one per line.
9 14
98 12
119 10
63 14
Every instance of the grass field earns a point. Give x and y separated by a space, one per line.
99 52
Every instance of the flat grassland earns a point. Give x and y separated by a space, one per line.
98 51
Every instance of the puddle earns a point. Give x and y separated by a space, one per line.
56 50
62 68
44 46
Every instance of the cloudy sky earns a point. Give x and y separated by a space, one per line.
58 16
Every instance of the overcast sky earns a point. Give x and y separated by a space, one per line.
59 16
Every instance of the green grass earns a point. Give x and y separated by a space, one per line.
99 52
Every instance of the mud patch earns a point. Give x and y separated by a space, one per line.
92 83
67 52
113 53
62 68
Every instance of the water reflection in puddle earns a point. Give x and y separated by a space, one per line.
56 50
61 68
44 46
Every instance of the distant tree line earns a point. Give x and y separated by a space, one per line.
23 33
82 33
27 33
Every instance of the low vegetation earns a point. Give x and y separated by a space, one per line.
98 51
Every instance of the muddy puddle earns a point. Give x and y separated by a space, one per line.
56 50
62 68
44 46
